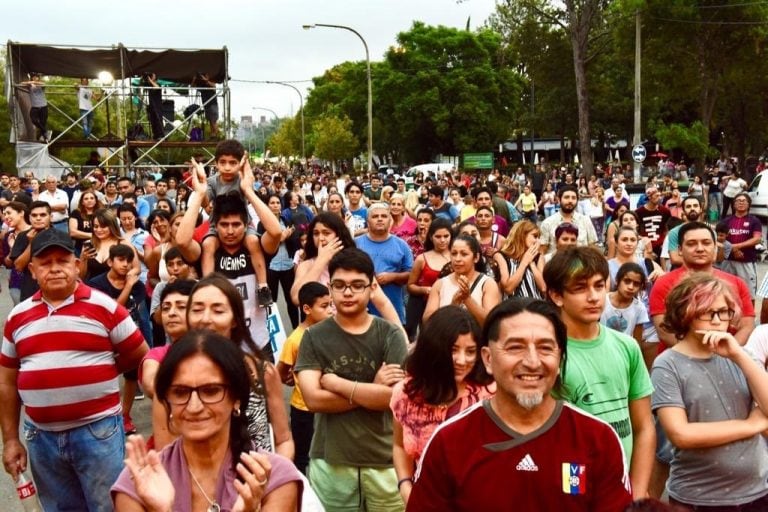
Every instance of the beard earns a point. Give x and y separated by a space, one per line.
567 208
692 216
529 401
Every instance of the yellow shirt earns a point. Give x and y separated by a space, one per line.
288 356
467 212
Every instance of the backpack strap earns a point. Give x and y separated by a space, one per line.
475 283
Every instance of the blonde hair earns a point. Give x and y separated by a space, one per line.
514 248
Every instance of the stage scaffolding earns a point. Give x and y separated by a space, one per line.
175 70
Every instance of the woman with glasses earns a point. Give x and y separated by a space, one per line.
705 391
216 304
203 384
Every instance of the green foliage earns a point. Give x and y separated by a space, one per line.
286 140
693 139
440 91
333 139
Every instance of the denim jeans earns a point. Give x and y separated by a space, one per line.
87 122
74 469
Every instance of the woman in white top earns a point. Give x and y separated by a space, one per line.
733 187
466 286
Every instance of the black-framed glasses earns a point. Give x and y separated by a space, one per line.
207 393
724 315
355 286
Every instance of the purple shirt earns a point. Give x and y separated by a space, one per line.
741 229
175 464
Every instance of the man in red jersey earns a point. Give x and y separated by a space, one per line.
523 449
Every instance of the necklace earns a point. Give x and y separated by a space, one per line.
214 507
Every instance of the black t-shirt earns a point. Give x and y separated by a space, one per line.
28 284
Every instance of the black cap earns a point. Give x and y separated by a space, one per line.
52 238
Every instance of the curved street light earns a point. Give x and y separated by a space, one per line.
368 73
301 106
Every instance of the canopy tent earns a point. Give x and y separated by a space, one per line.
175 70
170 64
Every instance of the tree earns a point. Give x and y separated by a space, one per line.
333 139
286 141
448 92
693 140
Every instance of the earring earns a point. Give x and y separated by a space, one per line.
170 416
236 412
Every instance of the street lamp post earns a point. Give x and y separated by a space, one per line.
264 142
368 74
301 101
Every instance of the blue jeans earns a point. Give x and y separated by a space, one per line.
74 469
62 226
87 122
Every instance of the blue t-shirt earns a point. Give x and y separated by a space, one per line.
391 255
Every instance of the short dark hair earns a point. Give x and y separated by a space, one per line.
229 204
430 365
693 198
515 306
180 286
229 358
436 191
692 226
229 147
480 190
722 227
154 215
174 252
353 259
571 264
566 188
39 204
310 292
350 185
121 251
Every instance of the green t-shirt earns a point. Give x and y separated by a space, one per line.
603 375
359 437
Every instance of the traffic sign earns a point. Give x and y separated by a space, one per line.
638 153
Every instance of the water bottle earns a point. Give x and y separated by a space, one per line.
25 488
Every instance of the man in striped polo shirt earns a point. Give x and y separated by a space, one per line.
62 353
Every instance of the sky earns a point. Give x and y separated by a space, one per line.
265 38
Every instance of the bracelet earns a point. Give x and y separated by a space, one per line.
354 387
403 480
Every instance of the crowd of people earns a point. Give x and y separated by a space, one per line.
467 342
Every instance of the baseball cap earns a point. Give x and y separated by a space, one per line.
52 238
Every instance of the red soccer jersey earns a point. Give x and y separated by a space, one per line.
474 461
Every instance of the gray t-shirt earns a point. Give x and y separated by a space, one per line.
710 390
216 187
360 437
37 96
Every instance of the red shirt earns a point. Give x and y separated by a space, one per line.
474 461
665 283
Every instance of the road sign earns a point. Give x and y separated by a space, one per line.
638 153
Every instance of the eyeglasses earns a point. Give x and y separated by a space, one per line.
724 315
355 286
207 393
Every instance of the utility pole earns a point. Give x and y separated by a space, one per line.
636 135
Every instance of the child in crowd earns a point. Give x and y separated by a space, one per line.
624 311
231 161
122 283
723 245
315 303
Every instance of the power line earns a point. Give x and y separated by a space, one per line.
702 22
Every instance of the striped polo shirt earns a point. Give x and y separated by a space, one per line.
65 357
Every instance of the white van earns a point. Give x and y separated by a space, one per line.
758 191
426 169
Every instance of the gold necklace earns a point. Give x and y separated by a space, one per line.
214 507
